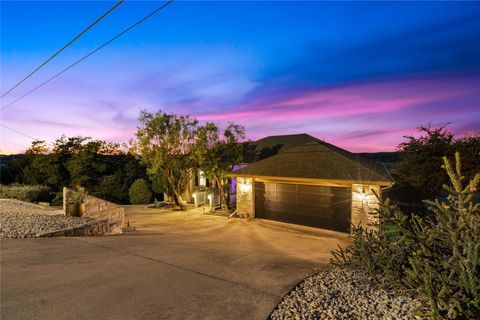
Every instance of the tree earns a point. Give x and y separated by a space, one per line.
37 147
166 143
85 167
112 188
217 152
139 192
98 165
158 185
417 176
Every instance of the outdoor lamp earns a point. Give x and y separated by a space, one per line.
245 187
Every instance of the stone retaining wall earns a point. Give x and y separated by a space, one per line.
100 210
96 228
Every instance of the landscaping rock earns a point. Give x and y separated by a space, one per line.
343 293
20 219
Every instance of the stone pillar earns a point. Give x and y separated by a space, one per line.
245 198
64 200
364 205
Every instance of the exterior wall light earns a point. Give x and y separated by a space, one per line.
363 196
245 187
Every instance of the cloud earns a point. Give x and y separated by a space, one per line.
373 115
439 47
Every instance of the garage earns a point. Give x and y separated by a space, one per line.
310 205
315 184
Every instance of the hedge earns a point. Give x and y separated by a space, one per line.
30 193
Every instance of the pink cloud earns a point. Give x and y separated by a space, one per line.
368 116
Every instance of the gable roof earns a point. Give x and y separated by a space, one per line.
269 146
320 161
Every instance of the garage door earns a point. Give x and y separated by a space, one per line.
315 206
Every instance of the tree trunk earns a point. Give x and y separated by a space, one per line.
223 198
228 194
174 195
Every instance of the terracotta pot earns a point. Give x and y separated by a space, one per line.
81 209
72 209
75 209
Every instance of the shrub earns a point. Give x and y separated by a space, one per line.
139 192
30 193
436 254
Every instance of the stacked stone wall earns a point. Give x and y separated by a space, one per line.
100 210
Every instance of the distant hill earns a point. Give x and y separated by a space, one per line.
388 159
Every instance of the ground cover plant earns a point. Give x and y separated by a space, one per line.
436 253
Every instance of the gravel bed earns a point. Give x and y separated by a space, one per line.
343 293
20 219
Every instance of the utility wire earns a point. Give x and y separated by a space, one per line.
23 134
63 48
89 54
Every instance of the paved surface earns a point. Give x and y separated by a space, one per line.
176 265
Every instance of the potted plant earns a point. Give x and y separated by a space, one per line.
76 206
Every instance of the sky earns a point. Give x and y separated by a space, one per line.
360 75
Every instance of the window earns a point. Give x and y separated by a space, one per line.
202 181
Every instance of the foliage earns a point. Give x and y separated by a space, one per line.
112 188
438 254
78 195
84 167
217 152
139 192
166 143
29 193
158 184
417 176
98 165
11 169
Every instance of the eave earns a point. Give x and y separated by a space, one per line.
312 181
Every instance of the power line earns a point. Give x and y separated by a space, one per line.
63 48
23 134
89 54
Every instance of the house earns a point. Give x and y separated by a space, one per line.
303 180
199 190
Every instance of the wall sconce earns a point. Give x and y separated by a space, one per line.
245 187
363 195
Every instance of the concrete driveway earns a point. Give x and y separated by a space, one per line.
176 265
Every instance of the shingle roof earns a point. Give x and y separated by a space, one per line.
318 160
269 146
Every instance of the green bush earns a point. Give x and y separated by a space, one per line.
30 193
139 192
436 254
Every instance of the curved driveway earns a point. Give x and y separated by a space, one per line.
176 265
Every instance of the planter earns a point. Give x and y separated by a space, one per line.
75 209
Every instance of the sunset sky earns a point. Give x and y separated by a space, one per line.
359 75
